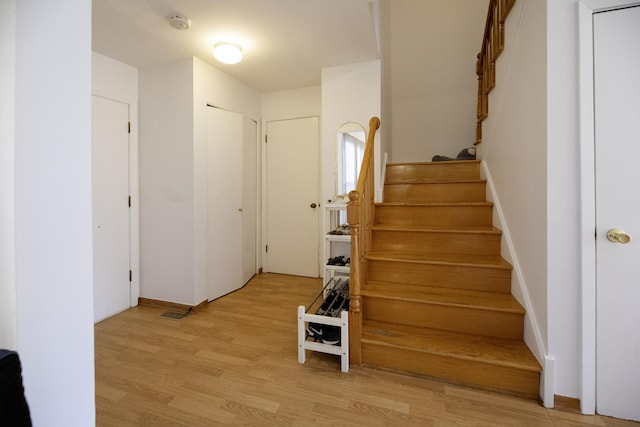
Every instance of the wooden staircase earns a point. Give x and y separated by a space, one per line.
436 297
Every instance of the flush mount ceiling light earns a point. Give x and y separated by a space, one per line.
227 52
180 22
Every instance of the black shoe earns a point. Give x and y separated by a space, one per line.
326 304
331 335
336 307
315 331
339 260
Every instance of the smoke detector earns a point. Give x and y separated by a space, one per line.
180 22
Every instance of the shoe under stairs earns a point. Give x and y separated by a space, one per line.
437 299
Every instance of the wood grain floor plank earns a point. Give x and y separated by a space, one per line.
235 363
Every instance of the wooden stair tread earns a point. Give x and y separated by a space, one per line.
431 163
434 228
488 230
490 350
435 181
498 263
429 172
432 204
479 300
487 260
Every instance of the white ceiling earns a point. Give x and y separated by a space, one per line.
286 42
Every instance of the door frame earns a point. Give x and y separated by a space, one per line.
262 153
256 237
134 192
586 9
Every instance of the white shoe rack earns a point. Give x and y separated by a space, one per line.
334 245
304 344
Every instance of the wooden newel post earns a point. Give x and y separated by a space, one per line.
355 277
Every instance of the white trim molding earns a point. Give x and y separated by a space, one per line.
532 335
547 381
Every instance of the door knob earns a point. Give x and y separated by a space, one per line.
239 209
616 235
313 205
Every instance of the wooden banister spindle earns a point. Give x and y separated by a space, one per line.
355 303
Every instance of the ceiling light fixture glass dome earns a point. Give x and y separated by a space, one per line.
227 52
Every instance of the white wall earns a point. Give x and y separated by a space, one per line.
433 51
515 154
570 341
290 104
350 93
557 296
53 257
211 86
563 196
214 87
114 79
383 14
118 81
173 173
531 147
166 182
7 175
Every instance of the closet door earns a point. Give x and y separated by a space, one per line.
617 149
111 233
224 201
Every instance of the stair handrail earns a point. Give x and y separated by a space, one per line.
360 216
492 47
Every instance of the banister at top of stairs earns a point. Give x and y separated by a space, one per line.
492 47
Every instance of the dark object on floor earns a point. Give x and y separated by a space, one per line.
14 410
466 154
174 314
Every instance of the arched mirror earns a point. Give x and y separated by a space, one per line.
350 150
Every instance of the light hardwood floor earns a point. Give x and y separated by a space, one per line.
235 363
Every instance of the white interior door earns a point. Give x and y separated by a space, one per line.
292 197
111 249
224 201
249 198
617 131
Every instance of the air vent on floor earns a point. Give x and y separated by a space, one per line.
176 315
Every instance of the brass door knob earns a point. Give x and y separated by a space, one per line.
617 235
313 206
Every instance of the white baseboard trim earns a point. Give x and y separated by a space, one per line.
532 335
547 379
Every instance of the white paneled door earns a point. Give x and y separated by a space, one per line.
617 130
292 197
111 246
231 201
